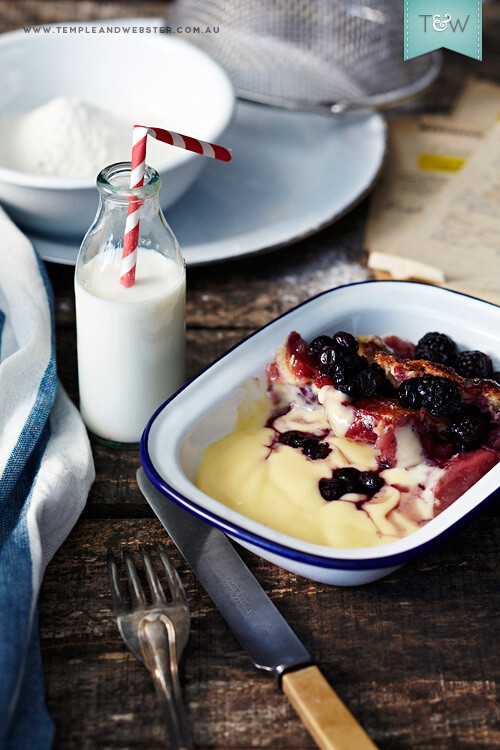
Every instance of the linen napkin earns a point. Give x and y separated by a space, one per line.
46 470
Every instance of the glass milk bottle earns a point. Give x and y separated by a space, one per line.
130 341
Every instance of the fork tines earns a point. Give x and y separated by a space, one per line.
137 595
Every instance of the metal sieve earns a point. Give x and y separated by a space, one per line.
309 54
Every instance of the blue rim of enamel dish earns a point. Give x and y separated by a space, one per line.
282 550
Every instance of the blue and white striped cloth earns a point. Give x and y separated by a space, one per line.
46 471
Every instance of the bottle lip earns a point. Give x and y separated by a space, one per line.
106 186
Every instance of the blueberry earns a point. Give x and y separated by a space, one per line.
349 387
474 364
372 381
409 395
293 438
318 344
326 358
345 374
309 444
331 489
437 347
347 480
315 450
349 476
346 341
370 482
468 431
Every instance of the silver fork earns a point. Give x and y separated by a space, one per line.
156 633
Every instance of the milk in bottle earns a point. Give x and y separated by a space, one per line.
130 341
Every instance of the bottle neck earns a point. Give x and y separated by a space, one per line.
113 184
112 222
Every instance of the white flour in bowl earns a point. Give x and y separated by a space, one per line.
66 137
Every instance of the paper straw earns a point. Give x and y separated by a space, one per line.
139 139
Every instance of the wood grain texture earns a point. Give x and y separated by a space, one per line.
410 655
414 657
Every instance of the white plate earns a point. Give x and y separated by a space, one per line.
292 173
171 447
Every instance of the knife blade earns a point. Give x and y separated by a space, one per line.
257 624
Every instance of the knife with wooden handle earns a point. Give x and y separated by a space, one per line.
259 627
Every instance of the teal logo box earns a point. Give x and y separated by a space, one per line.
432 24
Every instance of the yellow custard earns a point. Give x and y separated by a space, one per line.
277 485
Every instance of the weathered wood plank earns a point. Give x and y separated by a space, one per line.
401 652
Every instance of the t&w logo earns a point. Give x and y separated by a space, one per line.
431 24
439 24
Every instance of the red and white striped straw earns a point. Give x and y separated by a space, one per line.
139 139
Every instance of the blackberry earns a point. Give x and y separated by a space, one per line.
318 344
314 449
437 347
370 482
474 365
372 381
346 341
496 377
467 432
439 396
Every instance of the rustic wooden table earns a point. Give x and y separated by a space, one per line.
414 656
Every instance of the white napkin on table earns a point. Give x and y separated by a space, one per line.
46 470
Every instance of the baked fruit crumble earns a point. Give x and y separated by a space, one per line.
359 441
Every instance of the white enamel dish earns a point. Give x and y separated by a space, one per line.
205 409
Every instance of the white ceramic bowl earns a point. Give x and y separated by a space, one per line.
205 410
150 79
